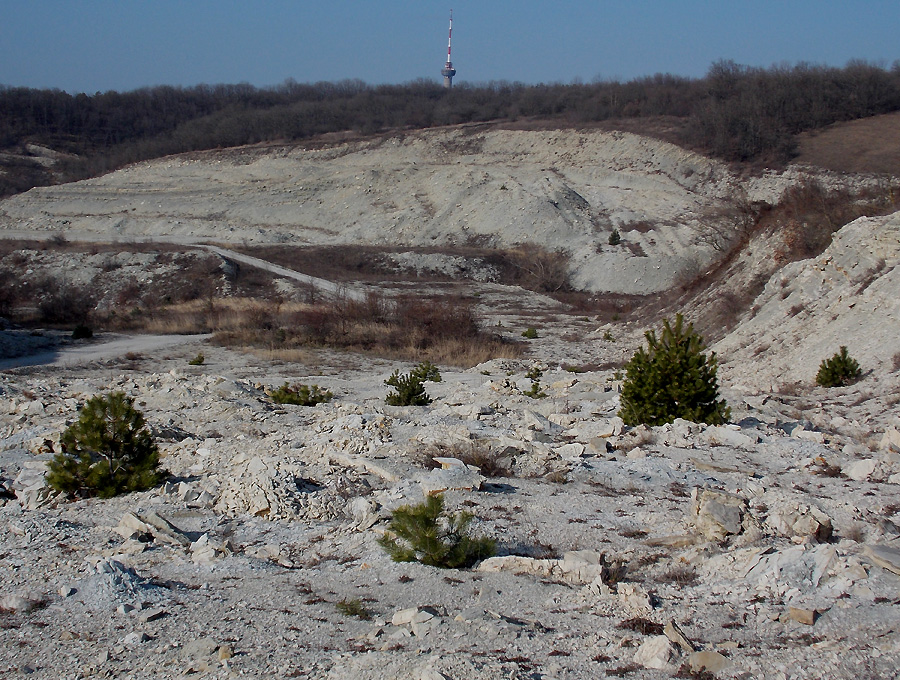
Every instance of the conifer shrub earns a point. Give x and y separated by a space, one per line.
409 388
425 533
530 333
427 371
300 395
108 451
82 332
614 238
839 370
535 391
672 379
197 360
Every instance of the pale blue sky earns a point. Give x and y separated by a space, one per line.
99 45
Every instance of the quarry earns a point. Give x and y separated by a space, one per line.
764 547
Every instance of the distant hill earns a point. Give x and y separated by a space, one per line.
735 113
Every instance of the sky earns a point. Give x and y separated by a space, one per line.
99 45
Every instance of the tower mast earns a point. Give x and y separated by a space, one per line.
448 71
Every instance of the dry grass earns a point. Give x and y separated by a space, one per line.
869 145
443 331
477 453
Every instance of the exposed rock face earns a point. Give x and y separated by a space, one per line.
812 307
559 189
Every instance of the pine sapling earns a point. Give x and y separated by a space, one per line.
839 370
672 379
108 451
424 533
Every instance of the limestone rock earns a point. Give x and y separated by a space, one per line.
885 556
717 514
676 635
165 530
805 616
659 653
579 567
891 440
793 518
860 470
708 661
725 435
460 478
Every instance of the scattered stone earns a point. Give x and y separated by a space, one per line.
577 567
412 615
675 634
460 478
659 653
152 615
885 556
709 662
717 514
795 519
133 639
199 648
805 616
20 603
891 440
165 530
860 470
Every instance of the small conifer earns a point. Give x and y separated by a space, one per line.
409 388
672 379
424 533
839 370
108 451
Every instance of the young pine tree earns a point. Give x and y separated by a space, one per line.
839 370
424 533
107 452
672 379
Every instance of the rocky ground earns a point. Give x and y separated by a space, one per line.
770 544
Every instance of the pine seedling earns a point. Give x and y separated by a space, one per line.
672 379
108 451
838 371
424 533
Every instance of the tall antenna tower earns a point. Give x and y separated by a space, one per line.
448 71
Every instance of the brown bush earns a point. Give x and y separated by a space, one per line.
63 303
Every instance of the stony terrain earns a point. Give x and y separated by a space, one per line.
765 548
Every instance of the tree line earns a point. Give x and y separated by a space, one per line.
734 112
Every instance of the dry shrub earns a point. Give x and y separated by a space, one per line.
680 574
443 331
61 302
641 625
540 269
476 453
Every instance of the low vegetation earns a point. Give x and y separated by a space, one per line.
409 388
672 379
425 533
354 607
108 451
535 391
839 370
300 395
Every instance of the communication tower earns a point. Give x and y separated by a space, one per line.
448 71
